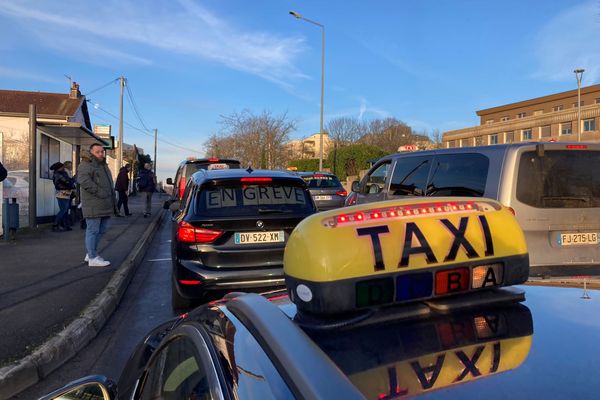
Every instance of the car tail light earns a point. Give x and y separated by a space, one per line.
213 160
256 180
342 193
577 146
188 233
181 187
190 281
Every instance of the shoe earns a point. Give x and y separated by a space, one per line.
67 228
87 258
119 215
129 214
146 215
55 228
98 262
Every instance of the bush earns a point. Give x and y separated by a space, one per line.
349 160
306 165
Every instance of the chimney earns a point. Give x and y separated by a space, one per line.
75 93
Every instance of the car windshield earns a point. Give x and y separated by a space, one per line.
246 200
560 179
322 182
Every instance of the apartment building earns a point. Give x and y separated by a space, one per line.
552 117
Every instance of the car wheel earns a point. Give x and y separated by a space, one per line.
178 301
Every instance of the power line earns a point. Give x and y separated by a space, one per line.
145 132
101 87
134 106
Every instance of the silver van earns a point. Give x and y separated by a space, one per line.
553 189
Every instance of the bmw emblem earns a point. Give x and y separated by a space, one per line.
260 224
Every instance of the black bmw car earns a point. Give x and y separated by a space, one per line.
230 230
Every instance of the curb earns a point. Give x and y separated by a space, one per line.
67 343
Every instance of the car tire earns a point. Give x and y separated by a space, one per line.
178 301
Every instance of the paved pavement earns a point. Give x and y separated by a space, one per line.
45 285
145 304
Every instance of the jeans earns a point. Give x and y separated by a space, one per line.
63 213
96 227
123 200
148 201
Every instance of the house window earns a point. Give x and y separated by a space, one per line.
597 101
49 154
451 143
503 119
464 142
545 131
589 125
489 121
479 141
526 134
575 104
510 137
566 128
558 108
538 112
494 138
521 115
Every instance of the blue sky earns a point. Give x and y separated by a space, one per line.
430 63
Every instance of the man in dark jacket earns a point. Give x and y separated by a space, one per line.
122 186
63 184
147 185
97 201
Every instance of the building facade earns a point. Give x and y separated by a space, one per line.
309 147
62 128
552 117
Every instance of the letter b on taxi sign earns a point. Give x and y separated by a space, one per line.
452 281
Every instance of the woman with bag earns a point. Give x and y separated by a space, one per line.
64 188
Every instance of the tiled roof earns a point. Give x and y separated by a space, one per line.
14 101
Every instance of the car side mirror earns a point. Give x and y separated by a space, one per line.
97 387
175 205
169 181
355 186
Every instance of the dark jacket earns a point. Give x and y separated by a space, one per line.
97 193
146 182
62 181
3 172
122 184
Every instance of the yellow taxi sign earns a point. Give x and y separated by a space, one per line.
403 250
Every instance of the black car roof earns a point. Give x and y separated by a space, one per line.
203 175
558 364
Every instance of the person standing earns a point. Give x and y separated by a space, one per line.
64 188
97 201
3 172
147 185
122 186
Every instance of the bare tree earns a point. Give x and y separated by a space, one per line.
388 134
346 130
256 140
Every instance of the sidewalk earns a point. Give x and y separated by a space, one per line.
45 284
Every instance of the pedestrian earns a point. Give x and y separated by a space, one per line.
70 216
122 186
3 172
147 185
63 185
97 201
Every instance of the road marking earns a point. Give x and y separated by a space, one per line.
160 259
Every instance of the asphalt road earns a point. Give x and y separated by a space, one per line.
146 303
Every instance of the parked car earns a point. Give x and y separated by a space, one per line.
325 189
230 230
553 189
188 167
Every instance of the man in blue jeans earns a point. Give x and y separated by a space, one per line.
97 201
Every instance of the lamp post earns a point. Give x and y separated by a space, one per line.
298 16
579 75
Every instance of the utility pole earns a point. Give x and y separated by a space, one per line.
155 140
120 156
33 165
579 75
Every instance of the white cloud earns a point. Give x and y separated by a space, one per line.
25 75
182 27
568 41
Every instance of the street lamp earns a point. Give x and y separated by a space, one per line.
298 16
579 75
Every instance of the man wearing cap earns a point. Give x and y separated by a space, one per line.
97 201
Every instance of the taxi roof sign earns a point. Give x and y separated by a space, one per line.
402 250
